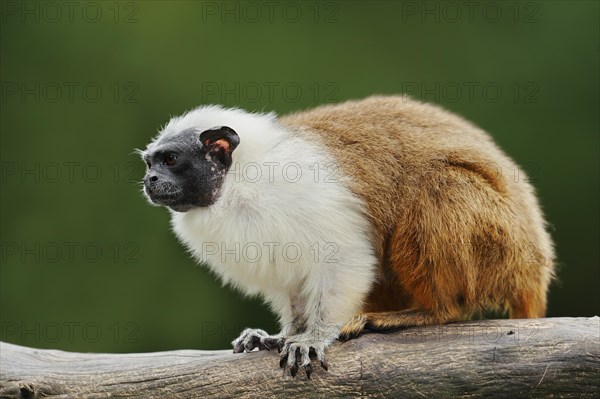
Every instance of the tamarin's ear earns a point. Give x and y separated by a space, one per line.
220 142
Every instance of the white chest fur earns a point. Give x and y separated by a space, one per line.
277 218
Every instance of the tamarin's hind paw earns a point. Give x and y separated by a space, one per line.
297 353
252 338
354 328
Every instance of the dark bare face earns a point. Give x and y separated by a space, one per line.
186 170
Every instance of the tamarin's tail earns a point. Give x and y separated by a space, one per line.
382 321
521 307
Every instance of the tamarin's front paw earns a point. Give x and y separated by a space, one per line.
297 352
252 338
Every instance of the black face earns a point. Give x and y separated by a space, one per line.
187 170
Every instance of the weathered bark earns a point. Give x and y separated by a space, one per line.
556 357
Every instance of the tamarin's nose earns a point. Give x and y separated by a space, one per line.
149 182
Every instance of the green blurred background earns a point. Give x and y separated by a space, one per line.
88 265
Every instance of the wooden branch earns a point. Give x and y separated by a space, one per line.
557 357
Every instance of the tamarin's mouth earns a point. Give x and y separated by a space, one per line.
175 198
163 194
164 199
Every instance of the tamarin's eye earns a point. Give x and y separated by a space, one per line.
170 159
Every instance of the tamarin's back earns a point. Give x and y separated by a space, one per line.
454 231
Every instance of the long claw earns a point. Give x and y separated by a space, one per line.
249 345
238 348
280 345
269 343
308 370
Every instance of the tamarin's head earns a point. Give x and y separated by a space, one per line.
188 161
186 169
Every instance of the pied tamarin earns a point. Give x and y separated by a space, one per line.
376 214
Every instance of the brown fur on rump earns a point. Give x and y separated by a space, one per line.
454 232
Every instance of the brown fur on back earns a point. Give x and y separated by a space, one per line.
453 231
